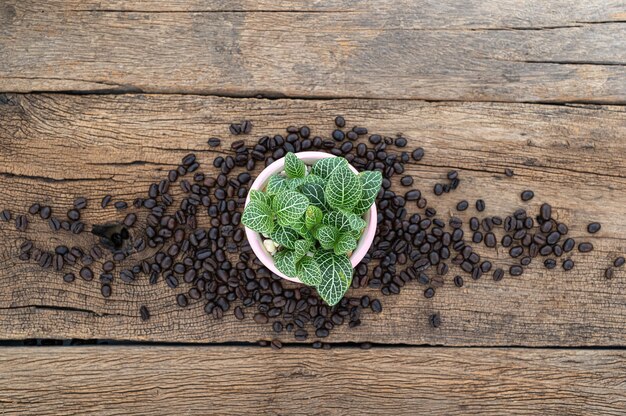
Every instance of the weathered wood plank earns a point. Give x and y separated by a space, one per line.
478 51
56 147
239 380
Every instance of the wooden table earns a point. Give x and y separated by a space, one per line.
104 97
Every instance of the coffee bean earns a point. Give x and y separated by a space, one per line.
508 172
553 237
608 273
417 154
86 273
340 121
120 205
407 181
181 300
5 215
435 320
498 274
516 271
69 277
527 195
619 262
34 209
80 203
546 212
568 264
429 293
438 189
462 206
490 240
458 281
568 245
260 318
73 214
144 313
45 212
338 135
21 223
214 142
480 205
105 290
105 201
585 247
593 227
549 263
235 129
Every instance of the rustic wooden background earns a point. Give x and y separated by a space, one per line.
104 97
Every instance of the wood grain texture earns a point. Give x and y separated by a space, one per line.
522 51
57 147
237 380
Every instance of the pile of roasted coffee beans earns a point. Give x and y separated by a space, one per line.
186 230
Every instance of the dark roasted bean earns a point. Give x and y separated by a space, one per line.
527 195
568 264
593 227
585 247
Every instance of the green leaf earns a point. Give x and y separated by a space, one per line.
312 216
276 184
327 235
295 183
309 272
311 178
315 194
258 217
294 167
285 261
289 206
344 244
261 196
357 223
371 182
343 189
301 248
356 234
336 272
300 227
337 219
285 236
325 167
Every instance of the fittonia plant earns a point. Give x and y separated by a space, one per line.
315 220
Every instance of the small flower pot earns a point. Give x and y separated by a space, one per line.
256 241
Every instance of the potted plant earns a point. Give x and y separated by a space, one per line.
310 218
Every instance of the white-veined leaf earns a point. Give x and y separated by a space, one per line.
309 272
343 189
295 183
312 216
276 184
327 235
285 262
285 236
357 223
337 219
315 194
258 217
345 244
294 167
325 167
336 272
289 207
301 248
371 182
311 178
260 196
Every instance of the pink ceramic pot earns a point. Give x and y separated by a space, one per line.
256 241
